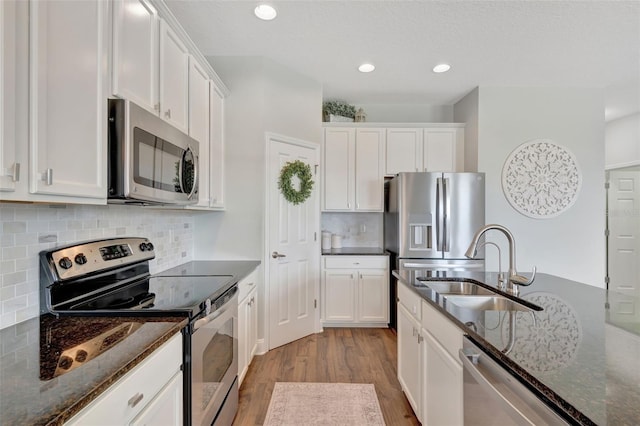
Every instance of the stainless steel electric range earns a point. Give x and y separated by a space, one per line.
111 277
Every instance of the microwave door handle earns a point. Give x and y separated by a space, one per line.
181 170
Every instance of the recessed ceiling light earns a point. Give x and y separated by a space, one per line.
441 68
265 12
366 68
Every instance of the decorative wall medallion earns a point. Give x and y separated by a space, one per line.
541 179
551 340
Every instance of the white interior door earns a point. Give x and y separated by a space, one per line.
624 237
293 248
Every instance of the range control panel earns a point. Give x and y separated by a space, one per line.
81 259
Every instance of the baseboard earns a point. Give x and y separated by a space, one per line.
261 348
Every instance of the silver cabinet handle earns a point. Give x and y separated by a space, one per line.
276 255
15 175
157 107
135 399
47 176
167 114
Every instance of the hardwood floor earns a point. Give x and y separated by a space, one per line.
338 355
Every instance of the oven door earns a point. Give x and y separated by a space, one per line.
214 362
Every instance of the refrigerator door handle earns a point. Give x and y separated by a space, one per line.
446 232
439 214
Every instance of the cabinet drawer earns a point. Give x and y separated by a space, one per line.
356 262
131 394
410 300
247 284
442 329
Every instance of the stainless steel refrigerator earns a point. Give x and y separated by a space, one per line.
429 221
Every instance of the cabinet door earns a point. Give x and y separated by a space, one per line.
373 295
174 78
135 53
216 134
199 125
369 179
409 358
68 54
440 150
339 301
8 160
442 400
403 151
243 337
165 408
252 332
339 151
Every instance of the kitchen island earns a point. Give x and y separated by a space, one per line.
578 353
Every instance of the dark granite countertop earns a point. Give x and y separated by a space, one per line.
580 353
31 390
355 251
237 268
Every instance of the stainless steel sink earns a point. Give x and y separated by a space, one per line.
485 303
458 287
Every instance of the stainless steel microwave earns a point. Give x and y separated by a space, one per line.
149 161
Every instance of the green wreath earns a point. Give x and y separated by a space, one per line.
303 172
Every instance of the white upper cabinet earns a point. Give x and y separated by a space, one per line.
420 149
216 135
403 151
441 149
353 169
369 179
199 125
174 78
338 165
198 102
135 52
67 76
9 165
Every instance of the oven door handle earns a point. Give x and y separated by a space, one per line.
213 315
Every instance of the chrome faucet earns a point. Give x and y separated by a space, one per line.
513 280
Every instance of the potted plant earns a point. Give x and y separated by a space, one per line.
338 111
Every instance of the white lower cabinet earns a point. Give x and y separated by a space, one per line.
442 397
428 367
355 291
409 358
150 394
247 323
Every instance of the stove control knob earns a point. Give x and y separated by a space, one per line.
80 259
143 246
149 246
65 263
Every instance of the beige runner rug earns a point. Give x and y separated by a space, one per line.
333 404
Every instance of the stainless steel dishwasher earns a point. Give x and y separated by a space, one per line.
492 396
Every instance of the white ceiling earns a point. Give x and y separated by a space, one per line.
488 43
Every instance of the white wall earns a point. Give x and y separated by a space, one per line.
407 113
466 111
622 142
265 97
570 245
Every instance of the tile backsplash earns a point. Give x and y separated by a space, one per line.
26 229
357 229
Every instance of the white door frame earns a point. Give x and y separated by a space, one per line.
269 137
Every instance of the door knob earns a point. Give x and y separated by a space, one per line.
275 255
